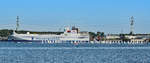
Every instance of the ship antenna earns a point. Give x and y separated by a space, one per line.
132 25
17 23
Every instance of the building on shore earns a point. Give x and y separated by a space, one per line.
127 38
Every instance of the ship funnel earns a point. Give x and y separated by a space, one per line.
67 29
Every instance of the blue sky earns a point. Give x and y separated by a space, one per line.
110 16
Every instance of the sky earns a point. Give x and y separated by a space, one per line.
109 16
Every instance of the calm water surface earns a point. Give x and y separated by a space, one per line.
11 52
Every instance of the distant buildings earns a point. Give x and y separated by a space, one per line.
127 38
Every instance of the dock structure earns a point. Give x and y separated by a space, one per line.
131 37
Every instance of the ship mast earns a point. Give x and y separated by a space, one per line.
132 25
17 23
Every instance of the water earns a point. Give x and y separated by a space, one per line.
11 52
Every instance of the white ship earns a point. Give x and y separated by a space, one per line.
72 35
